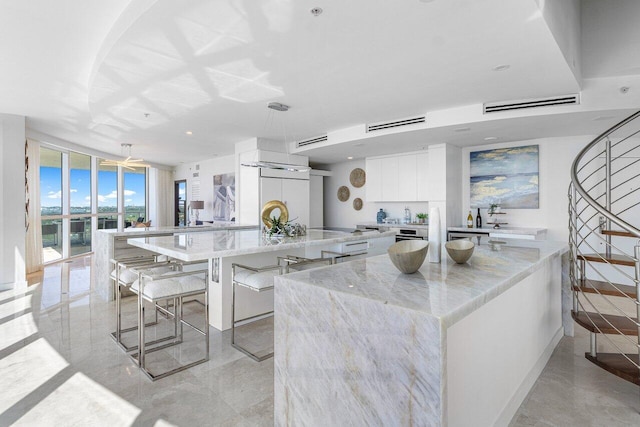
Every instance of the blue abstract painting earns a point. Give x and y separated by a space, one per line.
505 176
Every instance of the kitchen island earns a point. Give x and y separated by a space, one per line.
457 345
251 247
112 243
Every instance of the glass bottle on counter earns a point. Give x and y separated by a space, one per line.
478 220
470 220
380 216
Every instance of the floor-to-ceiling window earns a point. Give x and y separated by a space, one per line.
79 203
78 195
51 201
135 195
107 196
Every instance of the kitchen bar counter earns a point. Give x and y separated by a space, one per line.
506 232
112 243
201 246
250 247
412 226
362 343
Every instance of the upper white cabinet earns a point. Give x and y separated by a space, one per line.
294 193
422 177
373 187
400 178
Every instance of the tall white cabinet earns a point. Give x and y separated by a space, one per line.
294 193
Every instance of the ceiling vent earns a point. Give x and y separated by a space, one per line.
396 123
311 141
493 107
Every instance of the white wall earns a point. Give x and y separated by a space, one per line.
342 214
208 168
563 20
12 197
556 158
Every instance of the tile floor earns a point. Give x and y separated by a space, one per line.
58 367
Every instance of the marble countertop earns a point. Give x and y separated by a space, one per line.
531 231
172 229
375 224
447 291
199 246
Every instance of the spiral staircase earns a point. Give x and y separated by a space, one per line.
604 240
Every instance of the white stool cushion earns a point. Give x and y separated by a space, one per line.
255 280
164 288
128 277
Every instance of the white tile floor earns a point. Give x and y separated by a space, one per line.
58 367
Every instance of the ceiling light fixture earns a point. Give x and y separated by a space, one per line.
502 67
316 11
490 138
274 165
127 163
350 158
462 130
189 132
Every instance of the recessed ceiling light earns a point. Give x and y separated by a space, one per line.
462 129
189 132
316 11
502 67
490 138
597 119
350 158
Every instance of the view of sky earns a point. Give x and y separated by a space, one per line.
80 184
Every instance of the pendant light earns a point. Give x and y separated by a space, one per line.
276 106
128 162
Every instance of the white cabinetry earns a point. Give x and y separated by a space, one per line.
407 178
294 193
373 187
422 177
390 179
400 178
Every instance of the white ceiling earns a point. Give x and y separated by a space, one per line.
99 73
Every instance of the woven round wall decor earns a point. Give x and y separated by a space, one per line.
358 177
343 193
357 203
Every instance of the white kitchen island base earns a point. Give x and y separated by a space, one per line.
455 345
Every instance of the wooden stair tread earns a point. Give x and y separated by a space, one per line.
617 233
618 365
623 324
612 259
604 288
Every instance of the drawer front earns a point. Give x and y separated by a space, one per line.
355 247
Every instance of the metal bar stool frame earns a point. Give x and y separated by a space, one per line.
283 267
139 357
147 262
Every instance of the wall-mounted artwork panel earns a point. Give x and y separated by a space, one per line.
224 197
505 176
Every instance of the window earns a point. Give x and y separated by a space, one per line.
50 182
135 195
72 209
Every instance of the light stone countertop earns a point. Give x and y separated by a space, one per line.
224 243
447 291
383 225
526 231
174 229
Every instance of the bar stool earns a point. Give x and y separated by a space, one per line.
123 277
261 279
173 285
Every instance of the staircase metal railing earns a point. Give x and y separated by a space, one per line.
604 233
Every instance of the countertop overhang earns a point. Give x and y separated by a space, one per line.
199 246
446 290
